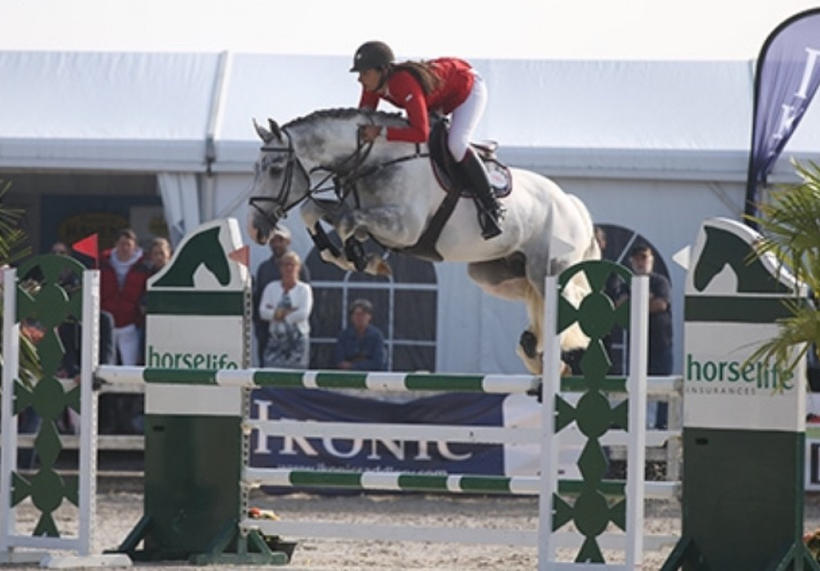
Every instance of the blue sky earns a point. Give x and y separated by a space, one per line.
548 29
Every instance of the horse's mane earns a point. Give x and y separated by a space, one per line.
343 113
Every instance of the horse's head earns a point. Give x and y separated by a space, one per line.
280 181
325 142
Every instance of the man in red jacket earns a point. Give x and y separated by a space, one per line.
446 85
123 276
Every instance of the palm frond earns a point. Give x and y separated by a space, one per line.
13 248
790 224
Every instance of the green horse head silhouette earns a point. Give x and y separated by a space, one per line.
723 247
202 248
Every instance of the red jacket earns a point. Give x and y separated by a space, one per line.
123 304
404 91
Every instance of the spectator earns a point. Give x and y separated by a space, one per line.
361 345
642 261
123 276
70 330
286 305
159 254
268 272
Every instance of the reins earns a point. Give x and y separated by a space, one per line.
344 176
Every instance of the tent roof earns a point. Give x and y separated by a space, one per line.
169 111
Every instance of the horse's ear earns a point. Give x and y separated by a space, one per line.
274 128
263 133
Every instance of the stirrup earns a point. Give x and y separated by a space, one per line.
489 224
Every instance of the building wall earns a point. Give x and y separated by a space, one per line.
69 206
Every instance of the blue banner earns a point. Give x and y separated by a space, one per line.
787 76
372 453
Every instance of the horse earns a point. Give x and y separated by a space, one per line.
388 191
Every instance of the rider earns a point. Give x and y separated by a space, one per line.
446 85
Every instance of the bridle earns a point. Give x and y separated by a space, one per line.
280 201
344 175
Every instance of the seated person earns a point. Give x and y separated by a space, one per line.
361 345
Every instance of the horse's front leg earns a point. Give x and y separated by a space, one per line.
388 223
353 259
312 214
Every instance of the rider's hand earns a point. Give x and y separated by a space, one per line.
368 133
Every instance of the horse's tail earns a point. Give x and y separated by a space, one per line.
593 251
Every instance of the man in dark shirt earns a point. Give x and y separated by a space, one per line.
361 345
659 363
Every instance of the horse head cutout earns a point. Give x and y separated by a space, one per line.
203 248
724 248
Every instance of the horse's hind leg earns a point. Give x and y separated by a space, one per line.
506 278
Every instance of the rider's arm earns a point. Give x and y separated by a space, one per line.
369 100
406 92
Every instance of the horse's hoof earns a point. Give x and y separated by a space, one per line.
528 344
377 266
354 252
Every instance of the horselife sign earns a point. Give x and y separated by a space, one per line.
733 300
198 303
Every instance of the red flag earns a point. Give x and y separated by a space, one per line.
241 255
88 247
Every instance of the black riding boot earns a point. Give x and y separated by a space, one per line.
489 209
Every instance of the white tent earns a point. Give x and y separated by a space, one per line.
651 146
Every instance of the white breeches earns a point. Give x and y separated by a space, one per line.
465 117
127 341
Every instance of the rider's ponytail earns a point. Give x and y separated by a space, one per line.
423 72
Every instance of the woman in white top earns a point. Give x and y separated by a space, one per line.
286 304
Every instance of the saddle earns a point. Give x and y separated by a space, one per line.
450 178
449 175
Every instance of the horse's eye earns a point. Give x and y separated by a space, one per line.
275 170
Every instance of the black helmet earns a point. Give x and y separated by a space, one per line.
372 55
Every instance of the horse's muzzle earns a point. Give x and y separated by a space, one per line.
259 234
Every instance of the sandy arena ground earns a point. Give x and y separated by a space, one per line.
120 503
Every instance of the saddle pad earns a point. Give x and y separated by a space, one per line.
448 174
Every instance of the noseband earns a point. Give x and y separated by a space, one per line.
280 201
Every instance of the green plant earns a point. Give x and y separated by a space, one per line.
14 247
790 224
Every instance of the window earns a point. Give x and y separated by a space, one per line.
404 309
619 241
